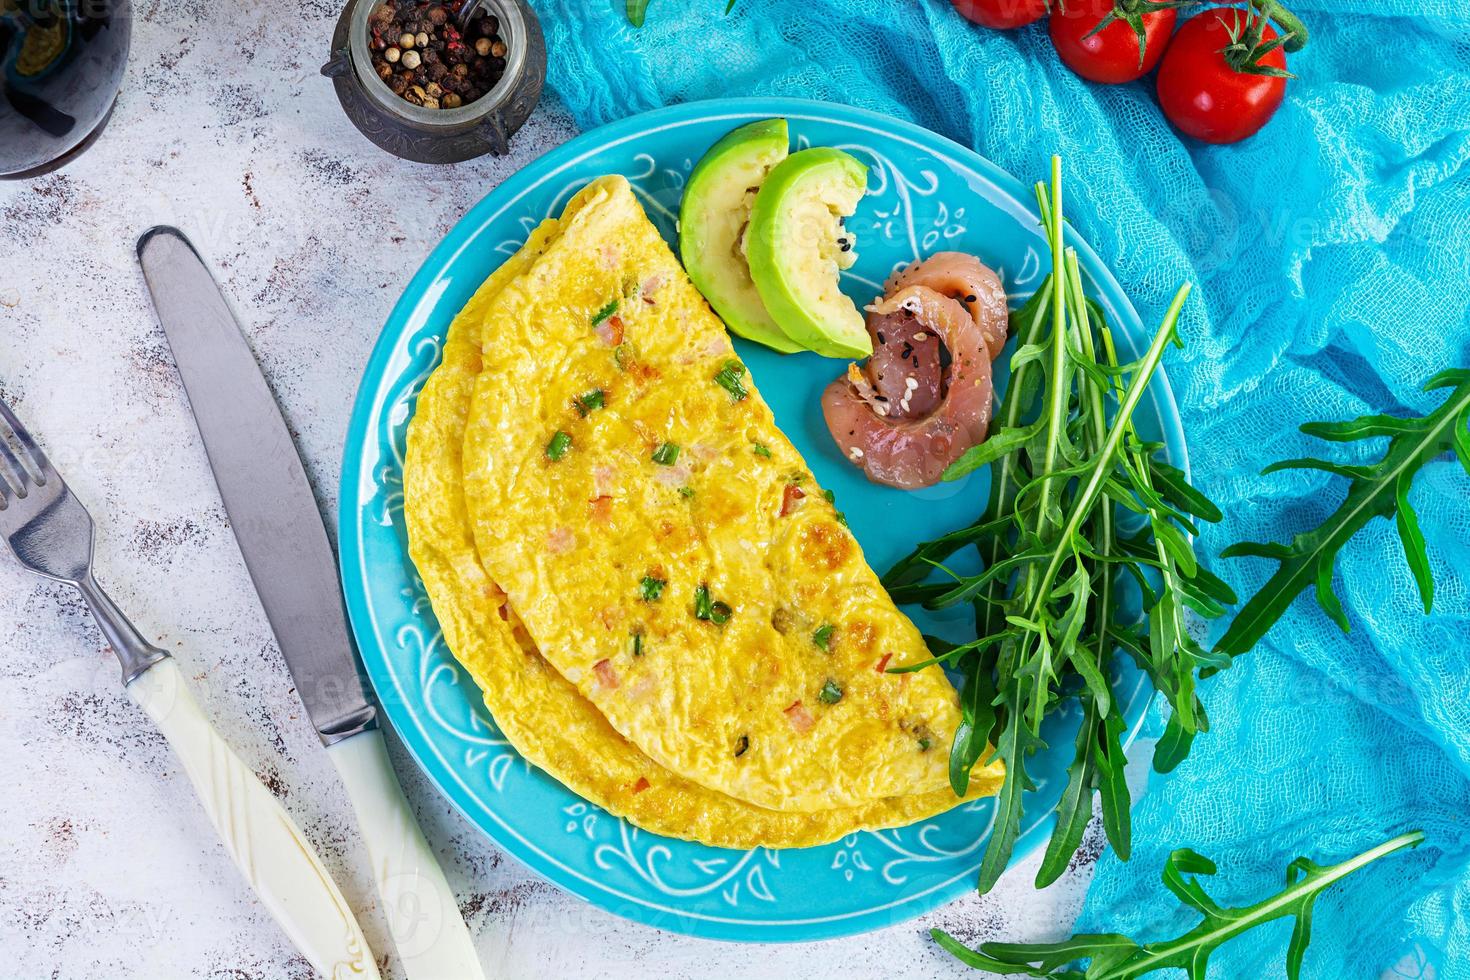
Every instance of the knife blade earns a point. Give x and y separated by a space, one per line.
281 534
263 483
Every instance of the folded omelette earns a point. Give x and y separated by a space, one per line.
538 710
663 608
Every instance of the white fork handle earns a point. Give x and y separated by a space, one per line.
432 939
259 835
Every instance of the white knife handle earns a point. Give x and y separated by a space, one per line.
260 836
423 915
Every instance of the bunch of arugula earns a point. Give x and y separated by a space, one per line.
1067 464
1114 957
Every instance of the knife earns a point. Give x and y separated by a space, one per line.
280 532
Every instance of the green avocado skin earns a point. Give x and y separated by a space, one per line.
707 236
814 314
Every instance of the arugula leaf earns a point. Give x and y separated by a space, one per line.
1115 957
1379 489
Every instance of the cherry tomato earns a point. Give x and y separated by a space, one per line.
1110 55
1210 93
1001 15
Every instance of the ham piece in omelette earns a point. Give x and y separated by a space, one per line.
665 547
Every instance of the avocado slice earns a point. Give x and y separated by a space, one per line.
797 248
712 223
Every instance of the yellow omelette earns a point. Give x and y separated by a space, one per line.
664 546
542 714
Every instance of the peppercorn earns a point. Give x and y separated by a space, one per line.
398 84
482 46
461 69
411 59
384 70
406 40
498 49
421 40
433 90
450 101
437 71
392 55
438 15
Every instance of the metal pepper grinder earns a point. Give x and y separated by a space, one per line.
61 66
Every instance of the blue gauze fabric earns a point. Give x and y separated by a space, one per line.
1332 257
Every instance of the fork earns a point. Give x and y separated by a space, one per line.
50 533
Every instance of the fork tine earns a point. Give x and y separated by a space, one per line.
23 436
13 477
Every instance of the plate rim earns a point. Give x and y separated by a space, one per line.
377 377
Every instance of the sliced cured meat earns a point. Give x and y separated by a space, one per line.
908 441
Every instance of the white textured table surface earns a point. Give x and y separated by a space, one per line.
108 867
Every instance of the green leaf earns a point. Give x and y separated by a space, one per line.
1176 489
1415 550
979 961
637 10
1448 378
1114 957
1363 427
1173 746
1016 742
997 444
1181 864
1327 598
918 563
1462 439
1112 784
1327 466
1074 809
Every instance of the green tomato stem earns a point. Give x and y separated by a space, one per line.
1290 24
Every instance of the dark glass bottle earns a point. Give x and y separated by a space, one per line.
61 63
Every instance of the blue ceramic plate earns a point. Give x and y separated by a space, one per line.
925 194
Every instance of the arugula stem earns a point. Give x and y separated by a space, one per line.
1060 389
